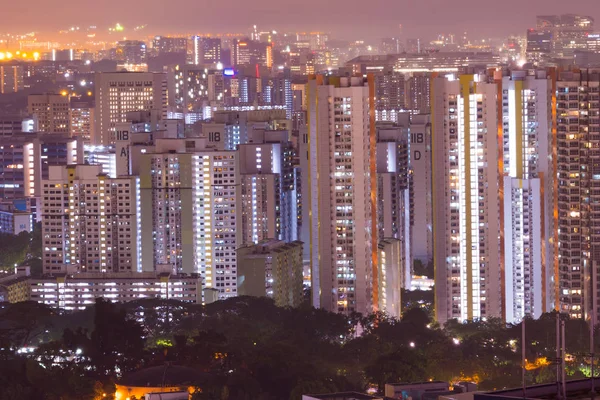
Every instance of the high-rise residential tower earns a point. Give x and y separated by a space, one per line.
465 198
578 163
527 216
340 191
191 211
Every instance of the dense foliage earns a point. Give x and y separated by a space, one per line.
255 350
16 249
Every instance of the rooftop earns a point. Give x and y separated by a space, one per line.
343 396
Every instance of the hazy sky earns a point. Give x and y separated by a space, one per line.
349 18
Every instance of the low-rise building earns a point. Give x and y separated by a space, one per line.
341 396
77 291
430 390
272 268
14 287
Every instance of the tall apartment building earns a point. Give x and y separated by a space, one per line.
118 93
465 199
272 268
81 118
25 160
578 203
339 192
90 222
527 217
393 193
51 111
191 206
11 78
268 188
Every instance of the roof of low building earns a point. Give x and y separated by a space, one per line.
165 376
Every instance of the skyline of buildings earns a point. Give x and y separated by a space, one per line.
257 146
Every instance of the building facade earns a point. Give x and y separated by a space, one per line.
393 193
192 205
526 217
578 148
51 111
465 199
268 188
90 222
11 78
81 119
78 291
339 191
272 268
118 93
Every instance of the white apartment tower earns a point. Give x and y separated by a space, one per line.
340 190
90 222
191 206
527 216
465 199
118 93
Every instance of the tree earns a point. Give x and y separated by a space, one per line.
23 324
401 366
117 343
